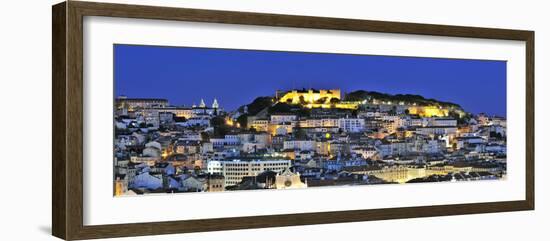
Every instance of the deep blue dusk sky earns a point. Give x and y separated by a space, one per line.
235 77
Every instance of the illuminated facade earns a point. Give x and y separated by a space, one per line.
121 185
180 112
235 170
340 105
289 180
282 118
302 145
258 125
281 129
428 111
145 159
310 96
317 99
351 124
437 130
325 122
130 104
398 174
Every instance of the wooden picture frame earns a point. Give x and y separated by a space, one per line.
67 124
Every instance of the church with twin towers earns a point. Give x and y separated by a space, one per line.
202 104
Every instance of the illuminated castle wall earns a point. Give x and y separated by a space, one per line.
316 99
310 96
428 111
322 99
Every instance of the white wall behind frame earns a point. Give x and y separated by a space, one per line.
26 206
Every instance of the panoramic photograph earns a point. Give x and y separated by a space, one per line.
190 119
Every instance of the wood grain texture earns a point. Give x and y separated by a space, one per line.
121 230
67 136
59 192
74 110
530 119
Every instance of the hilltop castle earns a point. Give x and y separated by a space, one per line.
311 98
309 95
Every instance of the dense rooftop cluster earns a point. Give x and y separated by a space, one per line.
300 139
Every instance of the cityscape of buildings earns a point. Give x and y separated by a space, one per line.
302 138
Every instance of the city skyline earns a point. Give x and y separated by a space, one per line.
315 129
175 73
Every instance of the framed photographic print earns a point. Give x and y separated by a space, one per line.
170 120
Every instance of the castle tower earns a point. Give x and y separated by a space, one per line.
215 105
